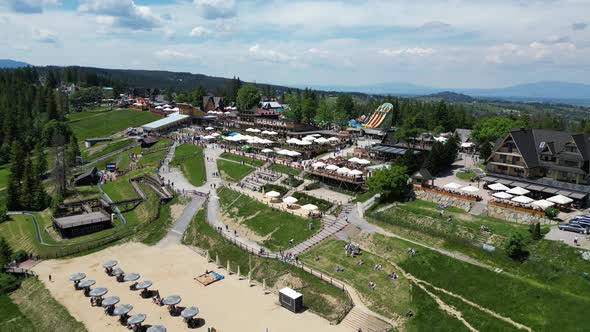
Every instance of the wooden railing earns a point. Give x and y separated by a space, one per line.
516 208
443 192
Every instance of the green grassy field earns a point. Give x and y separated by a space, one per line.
32 308
4 173
104 124
101 149
157 229
233 171
320 297
304 199
390 298
273 187
549 262
246 160
191 161
285 169
539 306
292 182
11 318
281 226
466 176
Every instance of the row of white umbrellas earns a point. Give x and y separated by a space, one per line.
359 161
339 170
248 139
509 193
290 200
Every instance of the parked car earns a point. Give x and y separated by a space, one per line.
582 222
573 228
582 217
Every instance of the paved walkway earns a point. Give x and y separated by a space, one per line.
176 232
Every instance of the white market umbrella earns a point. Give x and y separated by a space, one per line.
283 152
215 134
316 135
353 159
159 107
208 137
543 204
333 139
523 199
498 187
518 191
310 207
322 140
309 138
290 200
272 194
343 170
267 151
303 143
332 167
293 153
209 128
272 133
355 172
318 164
560 199
452 185
293 141
250 129
502 195
363 162
470 189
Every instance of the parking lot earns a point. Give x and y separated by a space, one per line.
568 238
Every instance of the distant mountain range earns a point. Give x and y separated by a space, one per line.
539 91
546 91
7 63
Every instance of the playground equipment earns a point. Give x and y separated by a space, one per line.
381 118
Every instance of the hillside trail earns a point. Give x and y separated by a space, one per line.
449 308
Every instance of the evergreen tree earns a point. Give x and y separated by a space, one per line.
5 252
40 161
28 186
73 151
3 214
17 156
13 193
51 105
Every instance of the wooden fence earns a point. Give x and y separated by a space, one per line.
517 208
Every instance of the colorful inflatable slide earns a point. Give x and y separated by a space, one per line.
378 117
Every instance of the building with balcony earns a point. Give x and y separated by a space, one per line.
536 153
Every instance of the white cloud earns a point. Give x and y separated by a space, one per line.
536 51
121 13
44 35
415 51
269 55
214 9
167 54
199 31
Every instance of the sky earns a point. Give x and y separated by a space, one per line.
443 43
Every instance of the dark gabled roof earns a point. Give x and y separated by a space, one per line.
86 173
149 140
464 134
583 143
423 174
532 142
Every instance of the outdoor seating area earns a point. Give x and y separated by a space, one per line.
112 307
455 190
351 170
530 199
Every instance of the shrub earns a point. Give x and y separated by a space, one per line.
3 214
20 256
8 283
551 213
536 234
515 247
312 186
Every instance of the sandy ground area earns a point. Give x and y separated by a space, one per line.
228 305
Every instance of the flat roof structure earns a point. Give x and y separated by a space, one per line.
391 149
81 219
545 185
171 120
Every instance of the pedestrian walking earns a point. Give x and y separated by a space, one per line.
576 240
